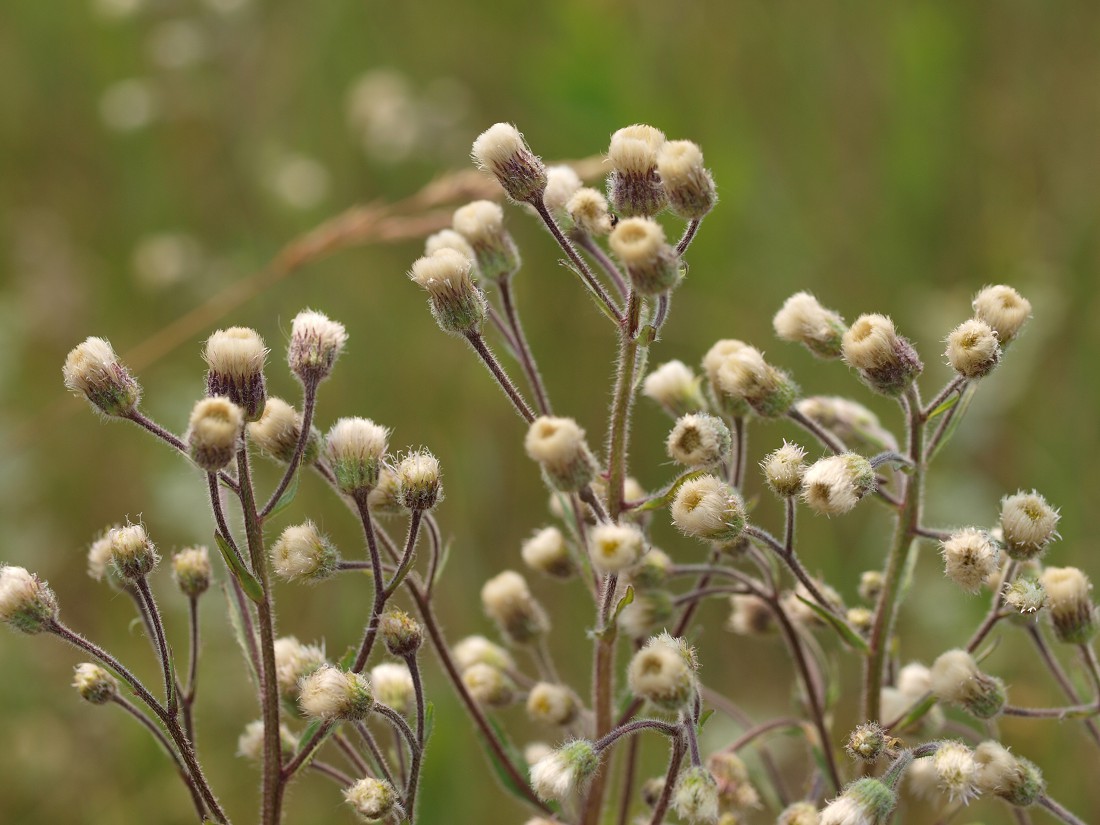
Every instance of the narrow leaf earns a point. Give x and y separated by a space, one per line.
429 720
288 494
965 398
499 767
843 629
665 497
945 406
444 556
238 633
249 584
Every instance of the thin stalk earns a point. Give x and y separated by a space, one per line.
477 341
994 614
791 560
1060 811
1073 711
192 664
630 774
622 403
174 441
371 631
244 612
692 737
272 784
526 358
437 549
1093 666
757 731
162 740
817 431
309 404
305 751
589 245
151 635
741 446
407 557
375 752
661 808
727 707
414 774
631 728
688 236
1060 675
219 517
949 389
352 755
502 328
335 774
171 699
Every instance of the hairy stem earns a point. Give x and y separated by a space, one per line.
477 341
523 349
309 404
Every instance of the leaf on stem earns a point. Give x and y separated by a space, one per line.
288 494
249 584
238 634
945 406
513 756
843 629
665 497
965 398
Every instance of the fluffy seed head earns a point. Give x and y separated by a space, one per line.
735 789
733 406
970 557
489 685
634 149
887 363
972 349
1071 609
94 684
481 223
418 477
708 508
652 265
551 704
956 771
589 212
745 374
698 440
278 430
301 553
191 571
502 151
750 617
1016 780
695 797
509 603
634 185
803 320
355 448
864 802
558 445
799 813
330 693
914 680
92 370
373 799
613 547
448 239
1004 309
867 742
564 771
562 184
688 185
1028 524
393 686
295 661
235 368
316 341
401 633
675 387
457 304
835 484
133 555
474 650
1026 596
547 552
852 423
957 680
250 744
99 560
784 468
663 673
214 433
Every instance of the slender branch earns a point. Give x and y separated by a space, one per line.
505 333
950 388
188 697
371 631
621 408
688 728
352 755
477 341
1070 712
171 699
1061 812
437 550
661 808
526 358
335 774
1060 675
631 728
757 731
630 774
375 751
305 751
309 404
817 431
734 712
791 560
589 245
407 558
688 236
175 441
414 775
995 613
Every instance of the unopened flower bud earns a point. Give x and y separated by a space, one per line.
250 744
481 223
733 406
316 342
489 685
676 388
695 796
214 434
385 498
861 619
418 476
191 571
751 616
835 484
94 684
235 368
589 213
330 693
535 751
784 468
803 320
355 448
1071 609
509 603
133 555
99 561
1014 779
799 813
1026 596
562 183
886 362
708 508
278 430
651 264
650 612
294 662
401 633
613 548
1004 310
870 585
867 742
735 788
301 553
1028 524
458 304
852 423
957 771
558 445
565 771
663 673
374 799
794 602
651 570
634 186
551 704
502 151
957 680
972 349
864 802
970 557
698 440
474 650
448 239
745 374
687 183
93 370
547 552
914 680
393 686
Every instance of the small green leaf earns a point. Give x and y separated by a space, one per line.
288 494
665 497
499 767
238 633
945 406
443 558
704 719
965 398
843 629
249 584
310 732
639 368
916 714
627 598
348 659
429 720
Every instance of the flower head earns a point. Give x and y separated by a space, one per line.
92 370
301 553
972 349
663 673
970 557
502 151
373 799
613 547
835 484
547 552
803 320
708 508
214 433
330 693
634 185
564 771
695 797
191 571
94 684
1029 524
316 341
675 387
698 440
457 303
956 679
1003 309
508 602
687 183
235 368
355 448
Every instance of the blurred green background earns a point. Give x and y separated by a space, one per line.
890 157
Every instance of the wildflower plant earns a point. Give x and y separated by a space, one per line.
647 678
